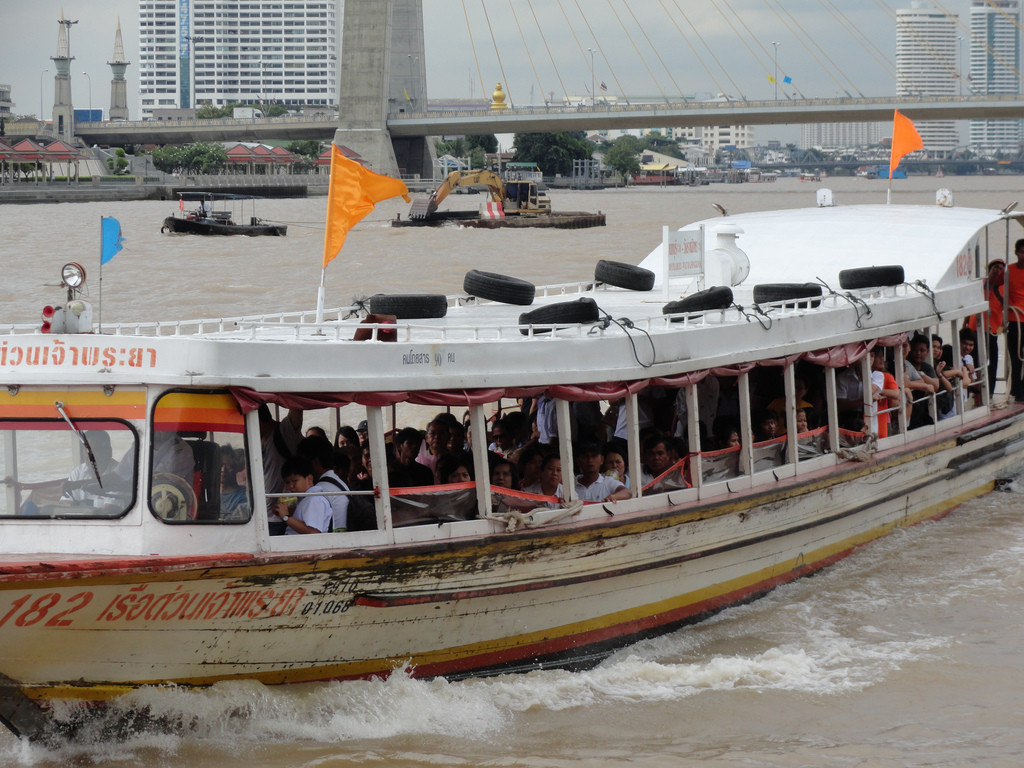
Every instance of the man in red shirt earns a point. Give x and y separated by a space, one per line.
1015 304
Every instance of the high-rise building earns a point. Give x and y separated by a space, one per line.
995 64
195 52
926 64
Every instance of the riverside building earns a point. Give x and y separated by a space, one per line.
196 52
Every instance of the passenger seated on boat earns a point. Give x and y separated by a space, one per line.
454 469
947 375
885 394
925 385
362 433
616 462
81 486
234 497
778 405
968 342
591 485
346 436
503 440
435 443
766 426
503 474
406 471
657 458
529 464
316 432
312 514
320 452
278 441
550 482
726 433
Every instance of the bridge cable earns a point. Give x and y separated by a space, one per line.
497 54
802 37
751 36
639 55
690 46
472 45
527 48
653 48
540 29
710 51
600 50
874 51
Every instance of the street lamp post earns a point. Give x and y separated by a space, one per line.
41 93
960 66
775 45
90 94
593 81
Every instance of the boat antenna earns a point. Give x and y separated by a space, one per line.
720 209
1009 208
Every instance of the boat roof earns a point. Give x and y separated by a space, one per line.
801 245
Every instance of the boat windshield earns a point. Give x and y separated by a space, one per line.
58 469
199 462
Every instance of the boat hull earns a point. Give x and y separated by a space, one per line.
210 227
566 595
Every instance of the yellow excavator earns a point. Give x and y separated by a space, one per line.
516 197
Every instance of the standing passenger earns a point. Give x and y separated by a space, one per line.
1014 337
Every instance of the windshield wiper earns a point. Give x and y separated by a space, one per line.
81 436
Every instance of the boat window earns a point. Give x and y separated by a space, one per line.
199 464
52 469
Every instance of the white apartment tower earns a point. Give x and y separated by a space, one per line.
195 52
995 68
926 63
841 135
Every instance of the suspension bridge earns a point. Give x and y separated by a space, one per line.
719 50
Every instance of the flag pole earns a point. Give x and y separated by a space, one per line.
320 297
99 308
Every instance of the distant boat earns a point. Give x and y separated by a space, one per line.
209 219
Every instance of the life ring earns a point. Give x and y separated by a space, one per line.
716 297
871 277
409 306
491 285
768 293
173 499
564 313
623 275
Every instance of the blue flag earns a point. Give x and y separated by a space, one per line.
112 240
787 79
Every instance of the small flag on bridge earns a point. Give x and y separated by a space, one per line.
604 86
787 79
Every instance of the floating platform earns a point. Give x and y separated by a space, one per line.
567 220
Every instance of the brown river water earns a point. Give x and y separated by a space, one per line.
908 653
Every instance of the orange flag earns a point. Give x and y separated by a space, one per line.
352 194
905 139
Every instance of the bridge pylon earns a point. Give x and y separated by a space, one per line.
383 70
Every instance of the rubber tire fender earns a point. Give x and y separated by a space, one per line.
623 275
715 297
491 285
409 306
767 293
564 313
871 277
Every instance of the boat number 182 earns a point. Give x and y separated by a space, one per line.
25 611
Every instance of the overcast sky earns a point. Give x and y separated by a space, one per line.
732 51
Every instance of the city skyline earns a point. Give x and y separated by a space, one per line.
451 53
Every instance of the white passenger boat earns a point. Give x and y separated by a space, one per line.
125 564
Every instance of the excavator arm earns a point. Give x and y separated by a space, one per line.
460 179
